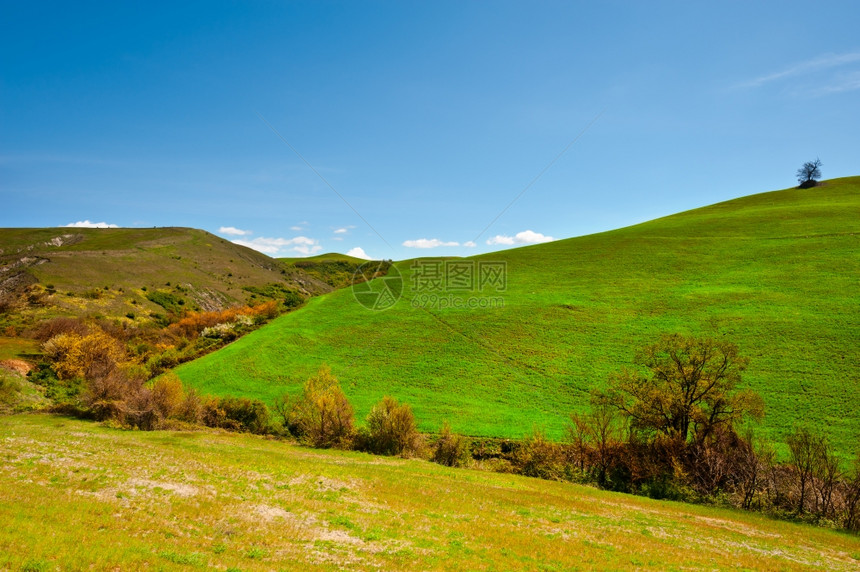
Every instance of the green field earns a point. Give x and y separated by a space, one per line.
776 273
77 496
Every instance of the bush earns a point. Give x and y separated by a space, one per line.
168 395
89 356
235 414
322 416
9 388
47 330
391 430
450 449
541 458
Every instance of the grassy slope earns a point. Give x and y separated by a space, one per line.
182 501
775 273
131 259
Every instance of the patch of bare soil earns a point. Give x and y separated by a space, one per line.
18 366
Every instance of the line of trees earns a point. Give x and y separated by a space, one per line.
674 426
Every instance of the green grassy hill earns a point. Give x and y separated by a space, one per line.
111 272
777 273
193 500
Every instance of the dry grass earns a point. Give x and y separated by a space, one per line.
74 495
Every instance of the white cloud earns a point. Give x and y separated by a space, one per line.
524 237
470 244
233 231
340 231
301 245
297 228
338 238
809 67
88 224
428 243
358 252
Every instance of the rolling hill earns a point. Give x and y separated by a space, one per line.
166 500
776 273
114 272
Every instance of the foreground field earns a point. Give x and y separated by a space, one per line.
74 495
775 273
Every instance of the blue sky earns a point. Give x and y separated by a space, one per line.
419 122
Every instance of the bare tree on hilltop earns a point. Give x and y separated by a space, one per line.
809 174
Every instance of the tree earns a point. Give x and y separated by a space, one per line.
597 439
685 388
805 448
809 174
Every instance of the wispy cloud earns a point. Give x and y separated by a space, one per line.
88 224
300 245
841 83
470 244
428 243
524 237
358 252
824 83
233 231
344 229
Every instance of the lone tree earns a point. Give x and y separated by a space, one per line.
809 174
686 387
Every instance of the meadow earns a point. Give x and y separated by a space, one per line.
78 495
775 273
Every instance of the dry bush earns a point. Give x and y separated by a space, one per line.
450 449
391 430
322 416
50 328
213 415
168 395
115 395
539 457
190 410
235 414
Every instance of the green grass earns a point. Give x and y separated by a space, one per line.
775 272
195 500
17 348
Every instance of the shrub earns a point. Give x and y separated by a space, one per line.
541 458
47 330
391 430
322 416
9 388
109 396
450 449
168 395
250 414
232 413
89 356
